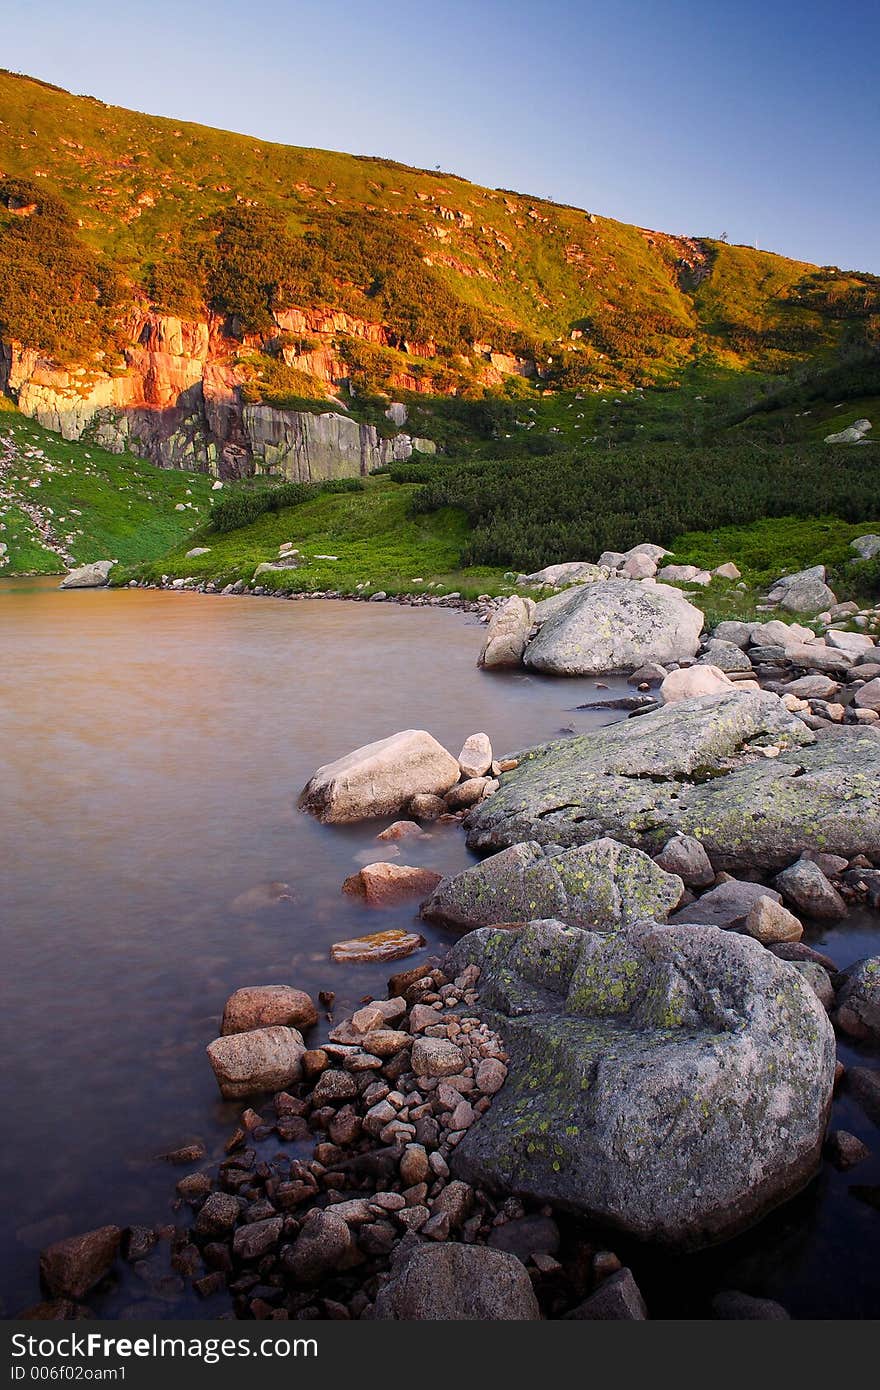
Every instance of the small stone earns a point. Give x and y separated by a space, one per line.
314 1061
769 922
475 758
436 1057
253 1241
618 1298
334 1086
845 1150
414 1167
321 1245
490 1076
218 1214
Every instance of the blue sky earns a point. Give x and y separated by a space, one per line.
759 120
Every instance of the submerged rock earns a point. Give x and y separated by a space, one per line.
616 625
377 946
602 884
69 1268
686 768
380 778
674 1082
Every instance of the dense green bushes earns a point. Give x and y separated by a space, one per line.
56 294
241 507
573 505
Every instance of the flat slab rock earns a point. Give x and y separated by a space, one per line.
686 768
674 1082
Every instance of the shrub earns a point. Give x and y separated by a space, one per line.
243 506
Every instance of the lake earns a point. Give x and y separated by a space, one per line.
152 747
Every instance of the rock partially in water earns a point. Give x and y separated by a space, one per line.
393 944
507 633
264 1006
69 1268
380 885
602 884
616 625
674 1082
475 758
686 768
858 1000
728 905
689 682
264 1059
617 1299
456 1283
380 778
805 885
93 576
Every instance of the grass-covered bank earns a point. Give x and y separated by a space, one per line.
376 541
59 497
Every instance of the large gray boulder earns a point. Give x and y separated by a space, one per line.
380 778
616 625
457 1283
673 1082
508 633
602 884
93 576
804 592
689 768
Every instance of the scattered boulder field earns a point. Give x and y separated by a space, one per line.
630 1030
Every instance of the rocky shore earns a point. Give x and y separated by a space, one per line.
631 1040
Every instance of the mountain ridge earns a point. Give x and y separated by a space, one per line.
202 275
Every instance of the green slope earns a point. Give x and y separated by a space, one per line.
188 217
95 505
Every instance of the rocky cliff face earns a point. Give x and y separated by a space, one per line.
178 400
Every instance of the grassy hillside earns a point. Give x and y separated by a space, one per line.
140 208
65 503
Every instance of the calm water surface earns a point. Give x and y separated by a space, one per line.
151 750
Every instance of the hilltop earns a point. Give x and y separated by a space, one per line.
324 268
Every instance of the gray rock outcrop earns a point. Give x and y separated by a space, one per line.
687 768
